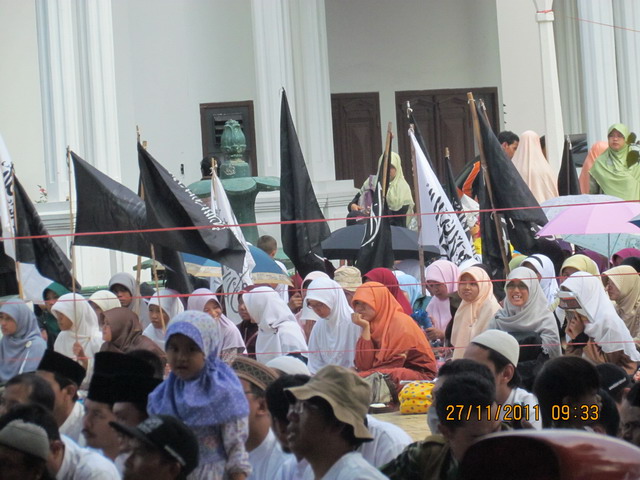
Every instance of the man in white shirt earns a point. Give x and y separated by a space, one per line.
66 460
265 454
327 424
65 377
500 351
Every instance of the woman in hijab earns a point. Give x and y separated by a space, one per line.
526 310
278 331
595 331
203 300
103 300
594 152
306 317
248 329
21 346
389 280
611 173
623 254
534 167
412 290
163 306
47 321
442 281
122 333
578 263
80 336
623 286
478 307
390 342
543 267
125 287
334 337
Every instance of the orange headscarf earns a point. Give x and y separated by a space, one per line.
594 152
392 331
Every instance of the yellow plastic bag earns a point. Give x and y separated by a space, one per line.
415 397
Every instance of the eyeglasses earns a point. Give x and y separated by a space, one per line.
519 286
301 405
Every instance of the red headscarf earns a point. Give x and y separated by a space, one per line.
389 280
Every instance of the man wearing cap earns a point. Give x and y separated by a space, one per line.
327 424
500 351
65 377
349 278
24 449
265 454
163 448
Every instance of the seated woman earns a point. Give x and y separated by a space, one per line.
399 198
442 281
125 287
47 320
578 263
412 290
543 267
306 317
389 280
248 329
621 255
103 300
334 337
478 307
122 333
594 329
526 310
391 342
611 173
278 330
163 306
623 286
231 344
21 346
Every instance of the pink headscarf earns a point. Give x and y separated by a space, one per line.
534 168
595 151
442 271
231 337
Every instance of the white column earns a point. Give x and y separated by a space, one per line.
554 129
59 89
600 72
274 70
626 15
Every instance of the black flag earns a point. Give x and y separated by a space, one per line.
172 205
105 205
510 191
44 253
377 249
568 178
301 240
420 139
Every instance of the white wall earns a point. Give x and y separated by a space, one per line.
387 46
170 57
20 108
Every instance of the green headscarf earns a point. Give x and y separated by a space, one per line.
58 289
611 172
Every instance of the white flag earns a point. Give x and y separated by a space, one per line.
441 229
232 281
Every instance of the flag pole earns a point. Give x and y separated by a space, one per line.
73 250
417 211
15 231
137 293
487 178
385 161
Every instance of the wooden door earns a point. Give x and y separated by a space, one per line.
357 140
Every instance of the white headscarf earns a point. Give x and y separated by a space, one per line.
105 299
171 305
85 329
278 331
333 339
544 266
533 316
307 313
605 327
138 305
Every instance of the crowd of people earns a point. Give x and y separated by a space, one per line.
134 383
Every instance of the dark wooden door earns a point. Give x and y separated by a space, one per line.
444 119
357 139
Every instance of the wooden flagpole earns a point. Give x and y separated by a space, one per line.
417 212
14 234
386 160
487 178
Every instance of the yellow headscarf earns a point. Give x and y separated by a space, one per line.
582 263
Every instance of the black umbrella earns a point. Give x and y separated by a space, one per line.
344 244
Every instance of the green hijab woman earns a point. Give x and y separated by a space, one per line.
611 173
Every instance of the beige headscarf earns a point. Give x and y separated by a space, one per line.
534 168
626 279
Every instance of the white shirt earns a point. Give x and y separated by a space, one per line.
519 396
353 466
294 470
83 464
267 459
388 442
281 288
72 426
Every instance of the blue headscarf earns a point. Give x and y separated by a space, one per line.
215 396
410 285
22 351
